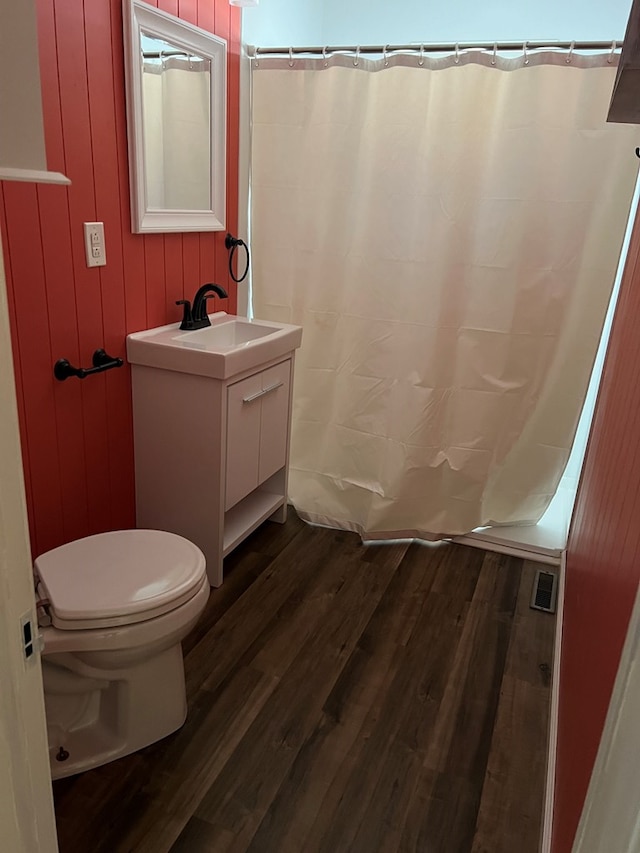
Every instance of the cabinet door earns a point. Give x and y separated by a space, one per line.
274 425
243 438
257 430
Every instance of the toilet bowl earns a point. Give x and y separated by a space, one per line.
115 608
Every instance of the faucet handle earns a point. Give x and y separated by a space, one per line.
187 316
202 309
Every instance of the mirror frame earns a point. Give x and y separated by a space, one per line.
138 16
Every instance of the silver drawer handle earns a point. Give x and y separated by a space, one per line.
264 391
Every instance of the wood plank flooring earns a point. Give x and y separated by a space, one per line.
342 698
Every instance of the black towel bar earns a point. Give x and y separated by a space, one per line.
62 369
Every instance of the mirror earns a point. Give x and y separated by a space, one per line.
176 122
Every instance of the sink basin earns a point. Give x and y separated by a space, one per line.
231 345
225 335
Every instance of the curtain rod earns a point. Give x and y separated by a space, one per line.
160 54
438 47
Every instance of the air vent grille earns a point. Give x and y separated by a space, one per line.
544 592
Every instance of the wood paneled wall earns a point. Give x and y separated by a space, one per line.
603 560
77 440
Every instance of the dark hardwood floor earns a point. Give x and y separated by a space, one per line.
342 698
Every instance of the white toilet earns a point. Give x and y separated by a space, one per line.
116 607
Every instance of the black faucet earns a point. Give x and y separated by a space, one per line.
196 317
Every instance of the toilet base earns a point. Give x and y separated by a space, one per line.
95 716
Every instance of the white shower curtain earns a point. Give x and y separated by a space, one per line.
176 103
447 234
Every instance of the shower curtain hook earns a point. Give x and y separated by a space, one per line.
324 56
421 60
357 59
614 46
570 56
457 59
384 56
495 52
526 55
290 57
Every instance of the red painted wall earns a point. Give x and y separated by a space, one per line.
603 560
77 436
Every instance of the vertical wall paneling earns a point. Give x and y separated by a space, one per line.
22 237
206 17
190 266
603 560
60 277
155 275
60 290
170 6
117 504
77 436
135 285
173 266
189 9
74 60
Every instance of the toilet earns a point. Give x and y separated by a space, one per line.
114 609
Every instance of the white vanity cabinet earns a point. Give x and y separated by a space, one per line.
211 455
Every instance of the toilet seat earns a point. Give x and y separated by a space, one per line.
119 578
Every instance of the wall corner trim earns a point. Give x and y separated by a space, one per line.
552 742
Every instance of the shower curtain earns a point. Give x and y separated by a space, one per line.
446 231
176 103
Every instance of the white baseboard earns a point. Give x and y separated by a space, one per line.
477 540
549 796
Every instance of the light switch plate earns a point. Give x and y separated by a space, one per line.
94 244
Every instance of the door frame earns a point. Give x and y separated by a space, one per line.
27 817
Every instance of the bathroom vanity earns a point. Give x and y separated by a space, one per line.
212 416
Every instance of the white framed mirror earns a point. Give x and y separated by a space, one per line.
176 92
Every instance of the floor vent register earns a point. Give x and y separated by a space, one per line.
545 591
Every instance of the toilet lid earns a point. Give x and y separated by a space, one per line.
119 578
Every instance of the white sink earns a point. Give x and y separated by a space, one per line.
231 345
226 335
